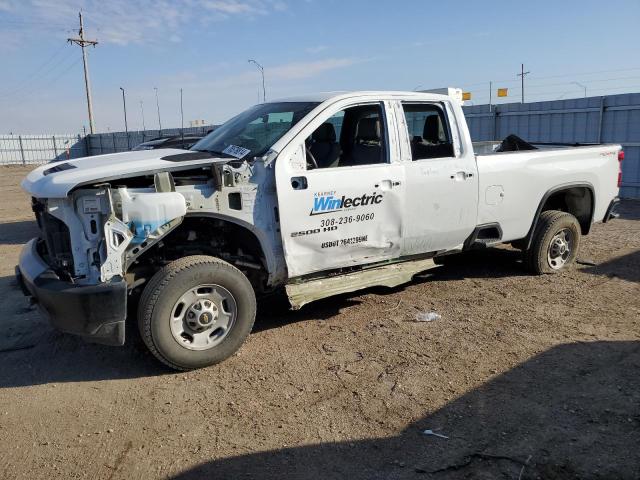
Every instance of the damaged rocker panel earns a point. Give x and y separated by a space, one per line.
391 275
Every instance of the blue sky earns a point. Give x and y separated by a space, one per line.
202 46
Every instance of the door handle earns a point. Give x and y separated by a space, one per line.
299 183
461 175
387 184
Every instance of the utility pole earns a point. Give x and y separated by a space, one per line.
124 106
158 105
142 111
264 95
82 42
522 75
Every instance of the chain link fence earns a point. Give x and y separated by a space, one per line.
608 119
113 142
39 149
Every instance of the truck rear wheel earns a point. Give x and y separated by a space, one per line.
555 243
196 311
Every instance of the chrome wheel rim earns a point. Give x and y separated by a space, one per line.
203 317
560 249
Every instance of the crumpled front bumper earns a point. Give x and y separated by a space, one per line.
94 312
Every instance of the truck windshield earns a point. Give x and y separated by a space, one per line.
255 130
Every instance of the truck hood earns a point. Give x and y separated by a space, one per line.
56 180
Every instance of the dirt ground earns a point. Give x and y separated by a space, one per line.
528 377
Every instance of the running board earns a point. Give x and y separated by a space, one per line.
386 276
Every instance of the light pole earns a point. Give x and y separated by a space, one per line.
158 106
142 113
124 106
181 120
264 94
582 86
417 87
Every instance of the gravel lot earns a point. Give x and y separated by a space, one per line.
528 377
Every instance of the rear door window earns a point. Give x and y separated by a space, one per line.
428 131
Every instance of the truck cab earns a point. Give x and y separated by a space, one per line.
376 177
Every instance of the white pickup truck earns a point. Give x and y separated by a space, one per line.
321 195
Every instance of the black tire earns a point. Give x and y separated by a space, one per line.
167 287
539 258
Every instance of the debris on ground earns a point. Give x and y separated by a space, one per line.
586 261
434 434
427 316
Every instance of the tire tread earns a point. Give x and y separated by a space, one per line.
533 258
154 289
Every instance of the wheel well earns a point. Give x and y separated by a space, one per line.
578 201
208 236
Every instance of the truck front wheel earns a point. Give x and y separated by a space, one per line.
555 243
196 311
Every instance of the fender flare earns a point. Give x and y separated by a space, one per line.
548 194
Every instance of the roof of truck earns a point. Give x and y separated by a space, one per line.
323 96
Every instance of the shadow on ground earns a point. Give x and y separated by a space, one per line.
17 233
273 312
32 353
55 357
570 412
626 267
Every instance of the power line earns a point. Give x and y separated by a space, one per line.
52 81
555 92
29 78
26 23
575 74
29 86
583 81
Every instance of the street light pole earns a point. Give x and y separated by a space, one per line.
181 119
264 94
142 112
582 86
158 106
124 107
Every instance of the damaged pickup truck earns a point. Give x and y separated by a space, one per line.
320 195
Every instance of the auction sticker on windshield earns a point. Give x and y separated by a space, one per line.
236 151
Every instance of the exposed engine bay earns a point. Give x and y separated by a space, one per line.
130 227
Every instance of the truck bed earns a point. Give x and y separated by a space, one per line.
508 181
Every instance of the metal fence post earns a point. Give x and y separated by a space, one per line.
21 150
55 147
100 137
85 145
601 119
113 137
495 123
